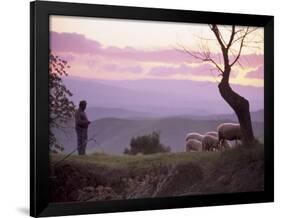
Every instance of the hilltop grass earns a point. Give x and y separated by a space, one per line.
102 176
163 159
138 161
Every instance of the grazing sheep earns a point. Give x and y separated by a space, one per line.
229 131
235 144
209 143
194 135
226 144
193 145
213 133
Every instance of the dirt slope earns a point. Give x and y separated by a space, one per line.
104 177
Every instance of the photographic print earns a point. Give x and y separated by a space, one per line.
149 109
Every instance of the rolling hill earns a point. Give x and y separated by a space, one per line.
96 113
114 134
158 97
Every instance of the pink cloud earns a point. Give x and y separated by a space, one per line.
78 43
73 42
165 55
250 60
258 73
81 51
201 70
121 69
166 71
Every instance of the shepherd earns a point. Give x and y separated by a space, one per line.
81 126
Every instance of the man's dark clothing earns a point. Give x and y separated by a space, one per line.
81 126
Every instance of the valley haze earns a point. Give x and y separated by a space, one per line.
122 109
136 83
159 97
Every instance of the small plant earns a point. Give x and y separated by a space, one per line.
146 144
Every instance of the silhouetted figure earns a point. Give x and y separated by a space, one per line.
81 126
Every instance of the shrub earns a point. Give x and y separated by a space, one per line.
146 144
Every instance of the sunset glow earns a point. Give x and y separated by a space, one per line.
113 49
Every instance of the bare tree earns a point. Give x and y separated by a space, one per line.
231 45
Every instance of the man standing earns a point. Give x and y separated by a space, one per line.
81 126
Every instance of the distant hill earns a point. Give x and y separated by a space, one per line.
256 116
96 113
159 97
114 134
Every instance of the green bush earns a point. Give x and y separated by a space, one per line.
146 144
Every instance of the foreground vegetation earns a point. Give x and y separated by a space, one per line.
109 177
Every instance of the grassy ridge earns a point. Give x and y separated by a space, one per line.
138 161
100 176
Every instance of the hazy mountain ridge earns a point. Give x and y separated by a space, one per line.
112 135
163 98
121 110
256 116
96 113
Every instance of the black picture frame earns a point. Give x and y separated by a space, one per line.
39 130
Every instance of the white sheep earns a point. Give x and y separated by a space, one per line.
213 133
226 144
235 144
229 131
210 143
194 135
193 145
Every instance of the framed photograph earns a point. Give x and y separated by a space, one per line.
145 108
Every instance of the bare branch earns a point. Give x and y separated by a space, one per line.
216 31
232 53
231 37
235 35
241 46
243 35
206 39
204 56
212 61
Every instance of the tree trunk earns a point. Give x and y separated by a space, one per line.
241 107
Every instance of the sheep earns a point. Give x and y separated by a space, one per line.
235 144
229 131
226 145
194 135
213 133
210 142
193 145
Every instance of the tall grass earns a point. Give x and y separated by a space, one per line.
138 161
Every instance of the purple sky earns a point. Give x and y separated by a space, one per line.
144 59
